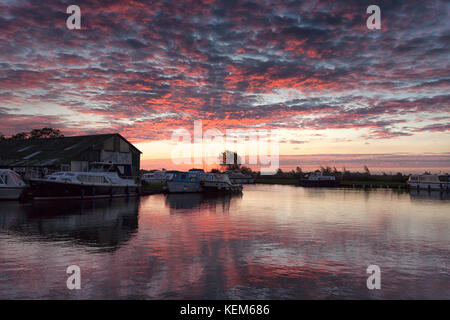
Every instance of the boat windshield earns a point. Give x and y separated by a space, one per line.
92 179
10 177
16 178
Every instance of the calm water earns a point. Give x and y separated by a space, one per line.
272 242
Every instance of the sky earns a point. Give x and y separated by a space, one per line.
336 91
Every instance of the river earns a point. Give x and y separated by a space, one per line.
271 242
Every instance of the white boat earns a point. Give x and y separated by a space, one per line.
318 180
157 176
12 187
199 181
83 185
238 177
214 182
429 182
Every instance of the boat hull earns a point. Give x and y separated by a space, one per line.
11 193
54 190
162 180
181 187
190 187
221 187
242 180
429 186
319 183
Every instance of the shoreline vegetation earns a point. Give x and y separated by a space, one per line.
343 184
152 188
347 178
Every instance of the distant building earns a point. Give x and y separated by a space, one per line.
36 157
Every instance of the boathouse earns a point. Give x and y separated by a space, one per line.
37 157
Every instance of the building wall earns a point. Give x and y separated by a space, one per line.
114 150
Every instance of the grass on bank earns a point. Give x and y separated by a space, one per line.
152 187
344 183
276 181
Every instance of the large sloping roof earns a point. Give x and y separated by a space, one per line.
49 151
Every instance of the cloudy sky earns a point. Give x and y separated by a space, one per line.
311 69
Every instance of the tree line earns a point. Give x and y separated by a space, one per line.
34 134
344 174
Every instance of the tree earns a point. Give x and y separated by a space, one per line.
34 134
325 171
246 170
366 170
298 173
20 136
2 137
45 133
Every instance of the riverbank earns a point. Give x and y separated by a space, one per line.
152 188
344 183
155 188
285 181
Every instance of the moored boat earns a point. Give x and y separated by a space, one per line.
213 182
199 181
157 176
237 177
318 180
429 182
83 185
12 187
185 182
